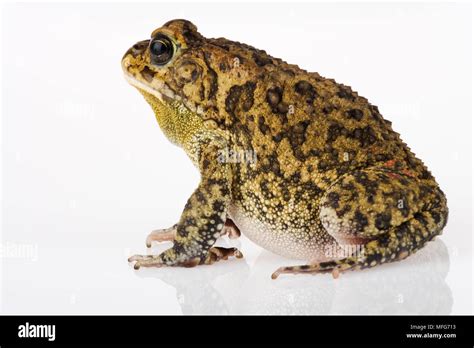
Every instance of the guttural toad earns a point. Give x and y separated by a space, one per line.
301 164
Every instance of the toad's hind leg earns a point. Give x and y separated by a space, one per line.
390 214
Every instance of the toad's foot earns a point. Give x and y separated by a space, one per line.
145 261
219 253
162 235
230 229
214 254
157 261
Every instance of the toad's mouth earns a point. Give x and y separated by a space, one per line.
165 95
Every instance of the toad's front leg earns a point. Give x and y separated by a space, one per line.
202 220
168 234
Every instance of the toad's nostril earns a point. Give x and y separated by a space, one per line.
140 46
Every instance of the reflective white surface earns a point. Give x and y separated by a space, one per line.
244 289
86 172
98 280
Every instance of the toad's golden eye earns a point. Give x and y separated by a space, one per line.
161 50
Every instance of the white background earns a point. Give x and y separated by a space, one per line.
87 173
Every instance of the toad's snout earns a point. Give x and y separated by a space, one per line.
135 51
138 48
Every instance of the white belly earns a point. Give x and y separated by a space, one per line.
310 245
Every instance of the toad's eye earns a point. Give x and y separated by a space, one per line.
161 50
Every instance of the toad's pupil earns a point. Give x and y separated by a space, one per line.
159 48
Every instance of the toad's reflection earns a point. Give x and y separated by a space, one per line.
415 286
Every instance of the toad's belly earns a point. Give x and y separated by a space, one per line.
310 244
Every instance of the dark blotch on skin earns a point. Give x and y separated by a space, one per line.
425 174
311 188
189 221
232 99
213 82
218 206
345 93
366 136
282 109
420 218
328 264
201 198
265 190
361 220
262 125
240 97
212 76
343 211
436 217
377 257
356 114
261 60
296 178
205 163
285 193
384 240
271 164
190 35
274 96
277 138
248 100
148 74
297 137
194 75
201 93
328 109
333 200
305 89
223 67
382 221
334 131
